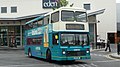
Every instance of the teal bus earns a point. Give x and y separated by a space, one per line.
61 35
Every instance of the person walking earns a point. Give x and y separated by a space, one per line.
108 46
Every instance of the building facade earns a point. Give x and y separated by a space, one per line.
14 14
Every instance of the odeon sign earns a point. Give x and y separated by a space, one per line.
50 3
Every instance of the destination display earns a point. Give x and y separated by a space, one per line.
75 27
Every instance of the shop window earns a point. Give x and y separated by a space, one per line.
3 9
26 27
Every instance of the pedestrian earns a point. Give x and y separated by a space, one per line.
118 48
108 46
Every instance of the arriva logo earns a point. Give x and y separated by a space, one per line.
50 3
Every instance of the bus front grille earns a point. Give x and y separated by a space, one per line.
76 53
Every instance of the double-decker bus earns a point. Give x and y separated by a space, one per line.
61 35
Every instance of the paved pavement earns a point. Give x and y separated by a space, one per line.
11 48
113 54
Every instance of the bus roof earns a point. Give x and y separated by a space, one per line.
72 8
40 17
62 8
67 8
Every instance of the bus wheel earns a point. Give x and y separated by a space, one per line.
48 55
29 53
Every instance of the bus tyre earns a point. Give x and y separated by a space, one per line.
29 53
48 55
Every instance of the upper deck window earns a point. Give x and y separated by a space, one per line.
46 20
35 24
73 16
80 16
55 17
40 22
67 15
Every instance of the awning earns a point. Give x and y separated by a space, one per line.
96 12
24 17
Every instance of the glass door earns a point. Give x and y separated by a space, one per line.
3 36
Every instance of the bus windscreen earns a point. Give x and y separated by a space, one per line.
74 39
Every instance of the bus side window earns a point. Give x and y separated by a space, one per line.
35 24
30 26
29 41
40 22
46 20
55 39
55 17
34 41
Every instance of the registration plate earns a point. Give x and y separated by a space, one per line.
76 57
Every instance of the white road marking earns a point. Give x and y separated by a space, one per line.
76 65
69 66
82 65
55 66
87 65
108 61
23 65
93 65
64 66
107 56
99 55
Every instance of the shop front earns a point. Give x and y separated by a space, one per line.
93 21
12 30
10 35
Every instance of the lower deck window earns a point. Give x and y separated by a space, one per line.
34 41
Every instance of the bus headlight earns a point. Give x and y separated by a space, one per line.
64 52
87 51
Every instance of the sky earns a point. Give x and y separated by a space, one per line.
117 1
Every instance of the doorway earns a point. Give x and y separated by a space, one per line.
111 37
